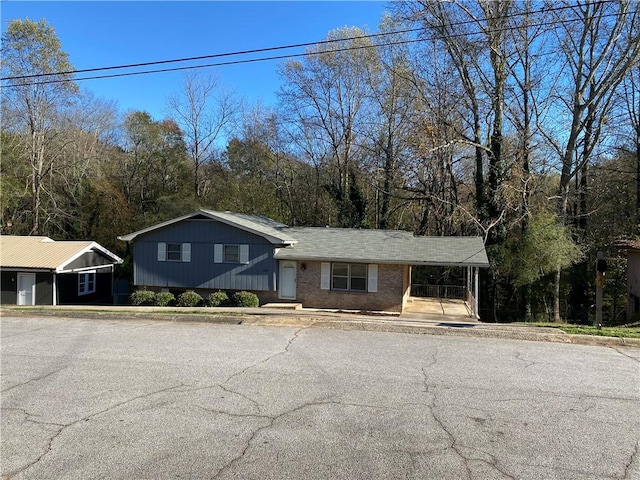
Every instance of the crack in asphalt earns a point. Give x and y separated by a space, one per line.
529 363
241 395
627 467
431 406
625 354
64 427
28 417
41 377
550 393
232 414
224 386
266 359
454 445
273 419
493 463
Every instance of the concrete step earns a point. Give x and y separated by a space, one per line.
283 306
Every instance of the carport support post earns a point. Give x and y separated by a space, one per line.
475 292
54 289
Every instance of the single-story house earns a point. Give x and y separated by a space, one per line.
318 267
41 271
632 249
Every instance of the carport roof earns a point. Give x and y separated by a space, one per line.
43 253
382 246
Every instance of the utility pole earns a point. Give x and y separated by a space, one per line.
601 268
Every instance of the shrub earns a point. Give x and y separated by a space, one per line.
163 299
189 299
142 297
245 299
216 299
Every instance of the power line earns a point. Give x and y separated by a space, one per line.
287 56
269 49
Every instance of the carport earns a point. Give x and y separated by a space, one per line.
450 299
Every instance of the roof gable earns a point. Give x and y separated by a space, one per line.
274 232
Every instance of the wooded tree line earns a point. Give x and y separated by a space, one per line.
516 121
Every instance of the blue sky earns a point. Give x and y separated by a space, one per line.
98 34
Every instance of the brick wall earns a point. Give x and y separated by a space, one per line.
393 284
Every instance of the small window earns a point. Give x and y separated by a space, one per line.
174 252
86 283
232 253
349 277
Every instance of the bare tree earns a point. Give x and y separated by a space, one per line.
203 112
599 42
327 92
32 108
395 104
631 108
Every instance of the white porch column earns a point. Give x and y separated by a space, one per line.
475 292
54 289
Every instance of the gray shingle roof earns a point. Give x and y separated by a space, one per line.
274 231
383 246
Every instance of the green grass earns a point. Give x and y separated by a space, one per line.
130 311
621 332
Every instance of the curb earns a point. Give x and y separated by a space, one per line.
356 323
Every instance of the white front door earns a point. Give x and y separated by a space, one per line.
26 289
288 280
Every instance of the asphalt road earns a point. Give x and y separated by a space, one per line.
135 399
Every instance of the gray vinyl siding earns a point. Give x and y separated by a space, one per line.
201 272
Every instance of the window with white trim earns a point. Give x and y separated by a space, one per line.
349 277
230 253
174 252
86 283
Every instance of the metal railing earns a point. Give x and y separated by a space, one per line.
440 291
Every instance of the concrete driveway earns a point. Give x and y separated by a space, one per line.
419 307
131 399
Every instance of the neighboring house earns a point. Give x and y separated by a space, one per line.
318 267
632 248
41 271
